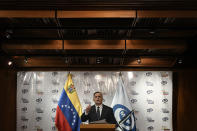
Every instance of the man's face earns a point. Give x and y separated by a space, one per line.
98 98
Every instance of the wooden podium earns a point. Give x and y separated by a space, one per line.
97 127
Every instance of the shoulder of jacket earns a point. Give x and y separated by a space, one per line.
107 106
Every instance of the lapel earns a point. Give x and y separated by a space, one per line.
103 112
94 112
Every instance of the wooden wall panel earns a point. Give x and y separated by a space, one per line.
187 101
7 100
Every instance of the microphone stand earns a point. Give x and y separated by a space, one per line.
124 119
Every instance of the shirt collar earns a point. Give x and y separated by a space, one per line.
100 106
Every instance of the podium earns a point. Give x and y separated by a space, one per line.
97 127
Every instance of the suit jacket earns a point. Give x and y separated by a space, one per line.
107 114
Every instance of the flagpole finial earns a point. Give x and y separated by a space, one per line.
69 73
120 74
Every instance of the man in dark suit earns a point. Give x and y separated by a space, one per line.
99 111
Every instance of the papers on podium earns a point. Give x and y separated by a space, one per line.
103 121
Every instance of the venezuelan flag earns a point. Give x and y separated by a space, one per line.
69 110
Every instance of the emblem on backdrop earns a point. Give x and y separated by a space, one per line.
165 118
39 92
164 82
150 128
24 109
164 74
54 91
38 128
23 127
87 101
165 92
54 74
55 82
165 110
54 110
149 119
133 100
38 118
150 101
150 110
39 100
165 100
133 92
148 83
39 110
149 74
53 128
164 128
24 91
86 91
149 91
132 83
24 100
53 119
55 101
23 118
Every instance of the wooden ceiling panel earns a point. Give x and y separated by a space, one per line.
94 44
32 45
27 14
97 14
151 62
92 62
157 44
96 5
97 38
166 14
20 34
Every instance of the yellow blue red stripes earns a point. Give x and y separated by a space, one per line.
73 95
69 109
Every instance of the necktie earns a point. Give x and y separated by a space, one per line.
98 112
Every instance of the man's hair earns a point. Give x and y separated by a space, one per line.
98 92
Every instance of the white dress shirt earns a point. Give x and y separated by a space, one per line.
100 108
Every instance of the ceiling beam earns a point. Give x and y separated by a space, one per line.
97 14
151 62
27 14
179 45
91 62
32 45
166 14
95 5
93 44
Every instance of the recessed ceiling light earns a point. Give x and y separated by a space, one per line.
9 63
152 32
138 60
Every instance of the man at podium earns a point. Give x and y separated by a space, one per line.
98 113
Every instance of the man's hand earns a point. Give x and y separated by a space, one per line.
88 108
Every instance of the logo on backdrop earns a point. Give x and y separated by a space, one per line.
149 74
120 111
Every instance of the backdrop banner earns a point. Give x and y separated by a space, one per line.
150 93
